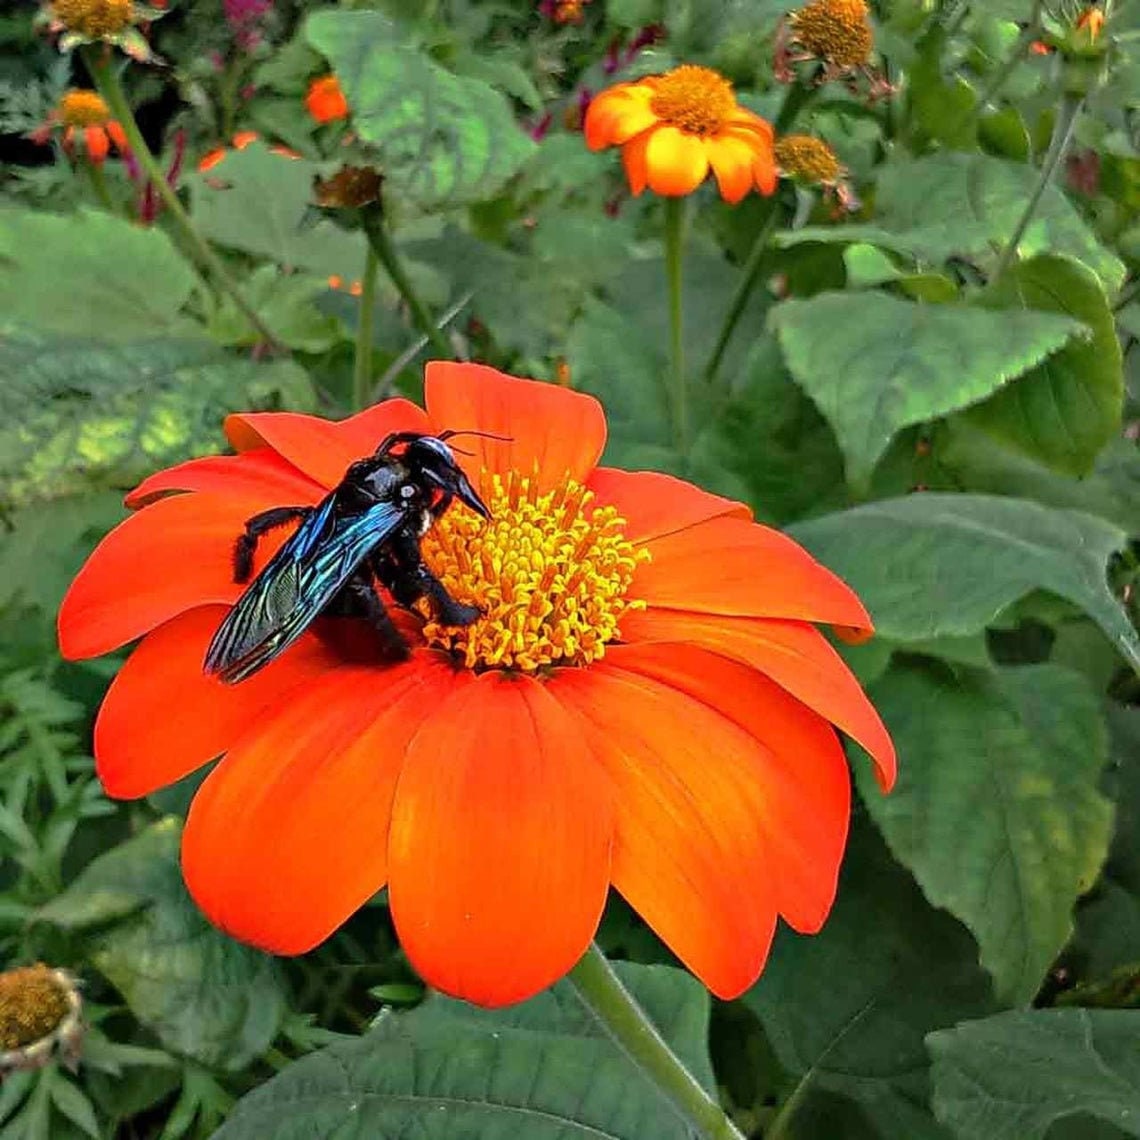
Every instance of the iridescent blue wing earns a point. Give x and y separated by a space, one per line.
296 584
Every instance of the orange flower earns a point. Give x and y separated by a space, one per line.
1091 22
85 118
672 128
644 702
325 100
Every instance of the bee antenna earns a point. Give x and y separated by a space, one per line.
451 434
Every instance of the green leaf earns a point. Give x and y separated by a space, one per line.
1066 409
203 995
542 1070
261 203
968 205
930 565
848 1009
91 274
997 810
445 140
75 413
1010 1077
874 364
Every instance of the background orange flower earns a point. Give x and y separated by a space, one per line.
674 128
325 101
691 761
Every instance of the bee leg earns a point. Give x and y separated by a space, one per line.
403 571
359 599
246 545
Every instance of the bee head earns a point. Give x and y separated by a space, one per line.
431 458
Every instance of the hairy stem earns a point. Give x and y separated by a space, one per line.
107 82
601 991
362 364
372 220
1063 128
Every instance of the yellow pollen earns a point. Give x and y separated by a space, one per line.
550 573
696 99
807 159
838 31
93 19
32 1005
79 108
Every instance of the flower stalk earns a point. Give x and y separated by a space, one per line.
601 991
372 219
748 278
1063 128
674 257
107 81
362 364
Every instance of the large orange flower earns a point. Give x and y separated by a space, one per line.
645 702
673 128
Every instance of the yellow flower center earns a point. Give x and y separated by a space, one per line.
695 99
33 1004
550 573
93 19
838 31
82 109
807 159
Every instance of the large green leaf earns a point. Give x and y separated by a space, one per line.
848 1008
1010 1077
76 413
91 274
874 364
935 565
201 993
542 1071
444 140
997 809
1066 409
260 203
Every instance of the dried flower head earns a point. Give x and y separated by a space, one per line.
79 22
349 188
809 161
39 1016
835 35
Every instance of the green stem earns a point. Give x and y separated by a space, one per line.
107 82
674 250
373 222
362 367
99 184
778 1127
602 992
999 79
799 96
1067 115
750 273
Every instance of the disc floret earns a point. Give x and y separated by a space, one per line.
694 99
551 572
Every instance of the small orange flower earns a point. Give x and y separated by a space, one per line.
85 119
672 128
1091 22
240 141
325 100
644 701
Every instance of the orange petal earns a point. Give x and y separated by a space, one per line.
616 115
500 842
731 160
96 143
260 475
163 717
323 449
795 655
691 851
170 557
244 138
633 159
798 783
654 505
728 566
552 431
764 172
676 161
286 838
211 159
742 117
118 137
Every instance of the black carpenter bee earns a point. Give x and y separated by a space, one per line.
367 529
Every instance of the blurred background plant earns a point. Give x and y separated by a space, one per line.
920 355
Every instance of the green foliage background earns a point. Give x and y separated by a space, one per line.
951 429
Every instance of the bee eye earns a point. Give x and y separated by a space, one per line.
407 491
